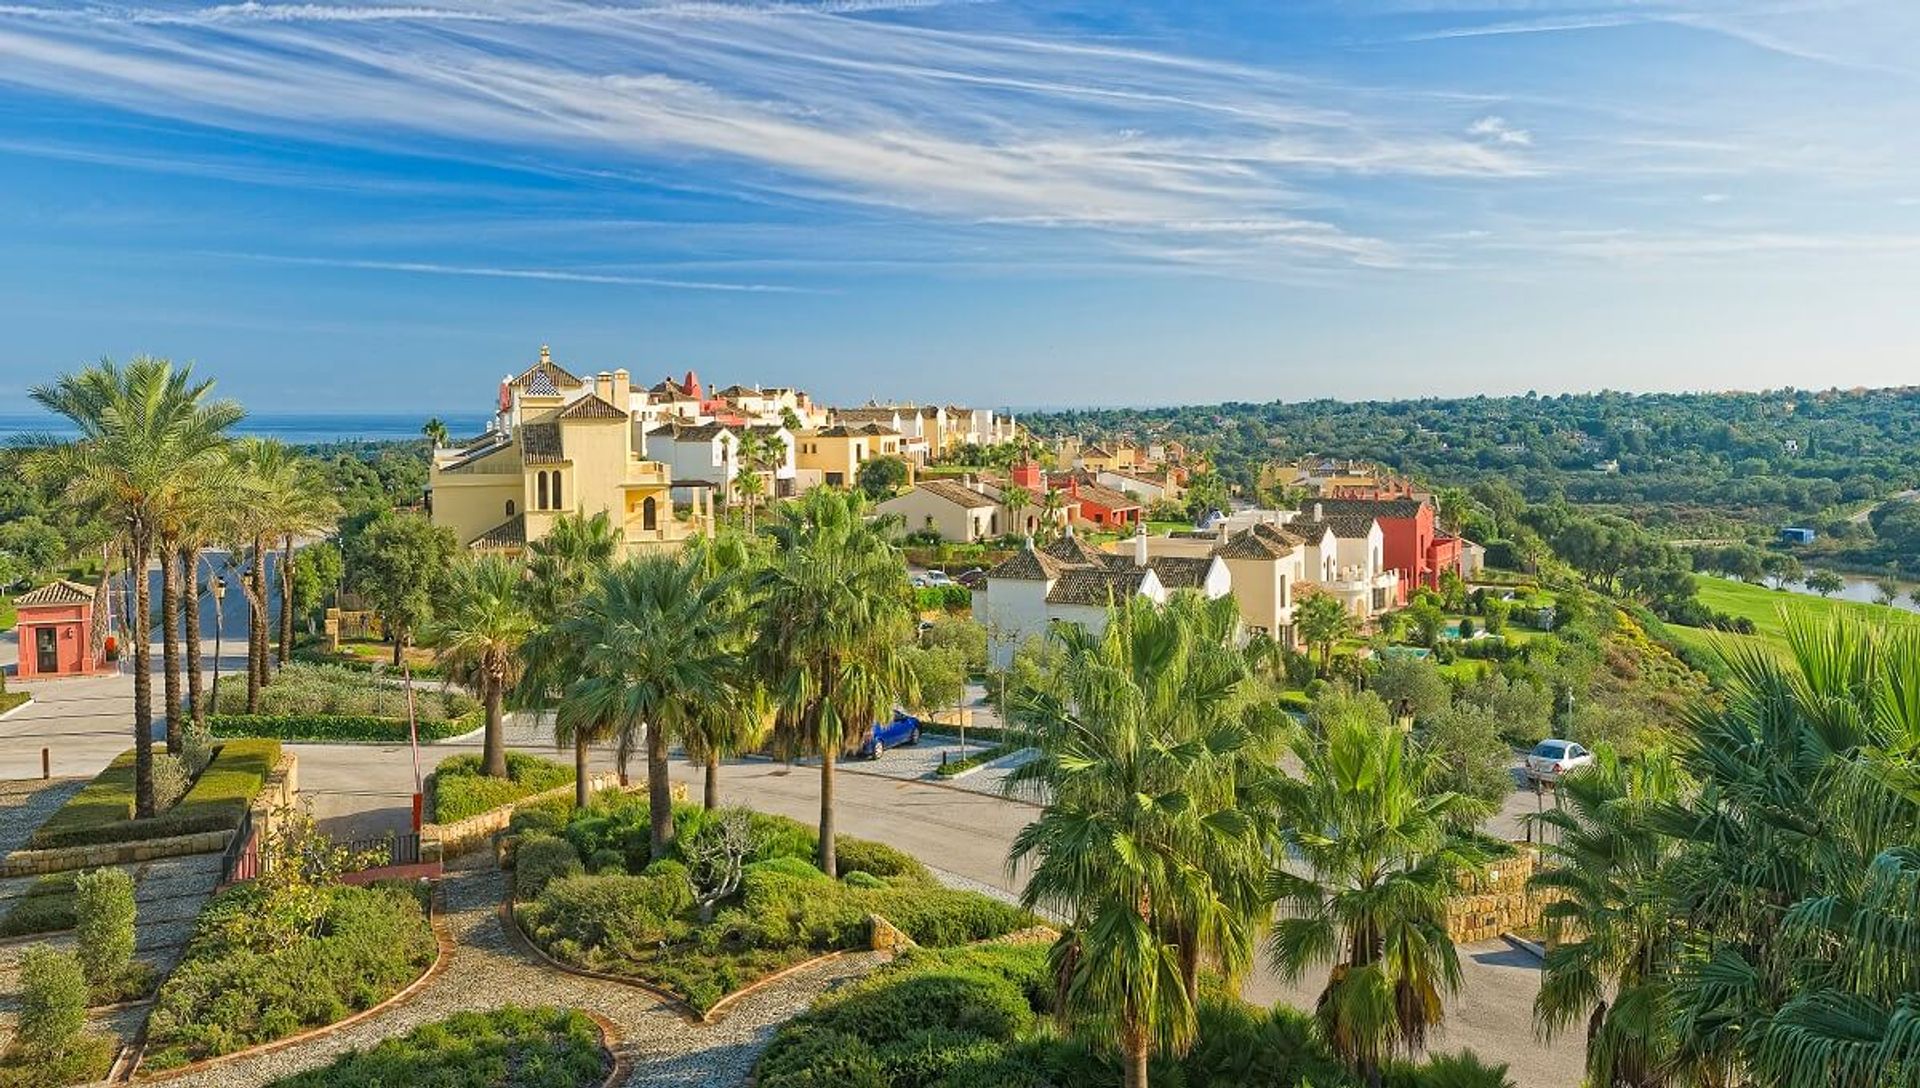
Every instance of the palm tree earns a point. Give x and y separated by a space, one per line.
308 506
720 727
435 432
1147 843
269 483
1016 499
654 646
142 430
1611 942
195 523
1323 621
1379 855
1053 503
477 635
561 567
836 615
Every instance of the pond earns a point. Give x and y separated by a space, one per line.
1863 588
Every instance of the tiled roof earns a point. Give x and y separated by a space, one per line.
1173 571
958 494
1372 508
1027 565
669 387
735 392
540 443
703 432
1254 543
477 453
1095 451
1097 585
511 533
60 592
1071 549
874 429
863 415
546 378
1107 497
592 406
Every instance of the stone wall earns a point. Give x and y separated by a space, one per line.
441 841
1495 900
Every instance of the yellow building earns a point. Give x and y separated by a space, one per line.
560 445
833 455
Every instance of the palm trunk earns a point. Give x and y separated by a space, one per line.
137 553
829 858
256 630
493 754
257 649
659 792
399 647
580 770
1137 1052
190 630
712 795
286 600
170 641
1190 966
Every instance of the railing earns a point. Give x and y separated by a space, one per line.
242 858
399 849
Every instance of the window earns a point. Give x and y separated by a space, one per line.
558 503
541 504
649 514
510 510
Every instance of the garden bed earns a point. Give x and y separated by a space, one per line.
457 790
328 703
13 700
956 767
251 975
45 907
102 812
637 919
509 1047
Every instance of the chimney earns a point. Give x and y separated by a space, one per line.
622 390
603 385
1140 546
1316 512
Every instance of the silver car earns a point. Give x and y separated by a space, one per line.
1551 759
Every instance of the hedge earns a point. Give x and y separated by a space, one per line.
324 728
509 1047
458 790
228 994
102 812
45 907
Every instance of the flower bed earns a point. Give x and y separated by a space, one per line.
509 1047
458 789
638 919
332 691
102 812
322 728
243 981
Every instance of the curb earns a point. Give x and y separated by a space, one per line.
10 713
1538 950
443 957
618 1070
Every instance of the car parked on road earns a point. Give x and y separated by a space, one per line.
1552 759
938 578
903 729
972 578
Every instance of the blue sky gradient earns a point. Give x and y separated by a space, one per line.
342 206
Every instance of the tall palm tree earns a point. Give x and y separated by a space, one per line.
435 431
1611 941
142 428
1017 500
1377 855
307 507
195 523
739 715
1053 503
477 634
269 485
1147 843
654 645
836 614
561 567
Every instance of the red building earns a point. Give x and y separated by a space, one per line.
55 627
1410 541
1102 507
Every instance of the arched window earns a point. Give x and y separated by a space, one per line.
558 503
510 507
542 503
649 513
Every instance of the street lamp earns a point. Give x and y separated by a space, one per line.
219 591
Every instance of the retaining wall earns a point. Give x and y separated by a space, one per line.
1495 900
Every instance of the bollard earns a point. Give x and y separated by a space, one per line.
46 763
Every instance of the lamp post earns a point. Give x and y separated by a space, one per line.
219 591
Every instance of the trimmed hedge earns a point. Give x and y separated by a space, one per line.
102 812
47 906
323 728
509 1047
227 994
458 789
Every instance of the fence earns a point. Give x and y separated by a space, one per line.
242 858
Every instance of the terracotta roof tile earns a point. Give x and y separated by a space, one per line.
546 379
1097 585
511 533
1027 565
592 406
958 494
60 592
1072 550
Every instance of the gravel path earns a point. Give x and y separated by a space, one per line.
488 969
25 804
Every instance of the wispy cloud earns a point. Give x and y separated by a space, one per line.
552 275
1496 129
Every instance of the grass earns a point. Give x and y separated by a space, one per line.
11 699
458 789
1769 610
102 812
986 755
509 1047
47 907
82 1060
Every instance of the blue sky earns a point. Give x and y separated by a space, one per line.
342 206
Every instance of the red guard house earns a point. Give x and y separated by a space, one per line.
1411 544
55 628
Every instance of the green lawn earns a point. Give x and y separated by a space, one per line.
1769 609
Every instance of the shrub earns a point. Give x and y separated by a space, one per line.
53 1000
45 907
340 727
459 790
365 945
938 916
1462 1070
541 859
509 1047
821 1059
879 859
102 812
103 909
301 690
602 921
786 866
171 780
858 879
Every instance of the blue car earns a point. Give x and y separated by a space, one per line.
903 729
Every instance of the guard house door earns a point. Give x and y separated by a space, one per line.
46 646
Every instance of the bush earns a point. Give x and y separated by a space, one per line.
879 859
508 1047
102 812
541 859
858 879
606 921
787 866
53 1000
226 994
340 727
171 780
319 692
459 790
820 1059
1462 1070
103 909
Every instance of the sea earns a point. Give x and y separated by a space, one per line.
298 428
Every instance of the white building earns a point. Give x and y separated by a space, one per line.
960 512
